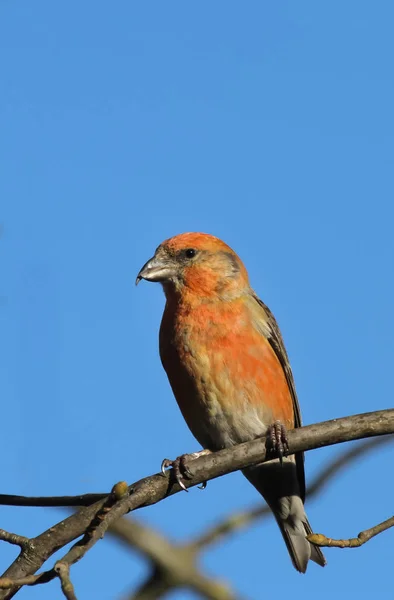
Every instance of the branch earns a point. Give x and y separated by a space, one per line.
156 586
245 518
173 566
310 437
62 567
364 536
15 539
139 536
9 584
51 501
155 488
62 571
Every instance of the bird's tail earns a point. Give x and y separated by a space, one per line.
300 550
279 486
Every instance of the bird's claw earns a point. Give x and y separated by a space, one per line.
277 434
182 469
165 464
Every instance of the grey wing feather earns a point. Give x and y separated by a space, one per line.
277 344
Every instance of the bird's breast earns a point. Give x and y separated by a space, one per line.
226 379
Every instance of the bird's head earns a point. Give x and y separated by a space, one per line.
197 264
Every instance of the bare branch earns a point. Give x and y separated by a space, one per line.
63 571
152 489
156 586
136 535
14 538
51 501
7 583
242 519
62 566
60 570
319 435
364 536
96 529
174 566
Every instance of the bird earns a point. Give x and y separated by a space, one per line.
229 371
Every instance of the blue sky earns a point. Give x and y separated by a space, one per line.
269 124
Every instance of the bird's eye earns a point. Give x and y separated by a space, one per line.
190 253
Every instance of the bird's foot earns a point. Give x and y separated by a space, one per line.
277 436
182 469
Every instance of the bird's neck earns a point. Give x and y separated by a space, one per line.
201 313
187 298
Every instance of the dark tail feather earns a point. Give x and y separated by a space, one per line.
279 486
300 550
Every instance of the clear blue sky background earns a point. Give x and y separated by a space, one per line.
269 124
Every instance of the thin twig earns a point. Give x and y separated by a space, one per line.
63 571
62 566
14 538
7 583
97 527
60 570
51 501
364 536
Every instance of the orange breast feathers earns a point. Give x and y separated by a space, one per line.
226 377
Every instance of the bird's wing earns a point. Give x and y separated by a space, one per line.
272 332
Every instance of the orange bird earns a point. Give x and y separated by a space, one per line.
228 368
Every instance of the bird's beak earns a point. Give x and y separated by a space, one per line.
156 269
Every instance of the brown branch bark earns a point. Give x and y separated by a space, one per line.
15 539
326 433
152 489
173 565
245 518
63 571
157 584
78 550
51 501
